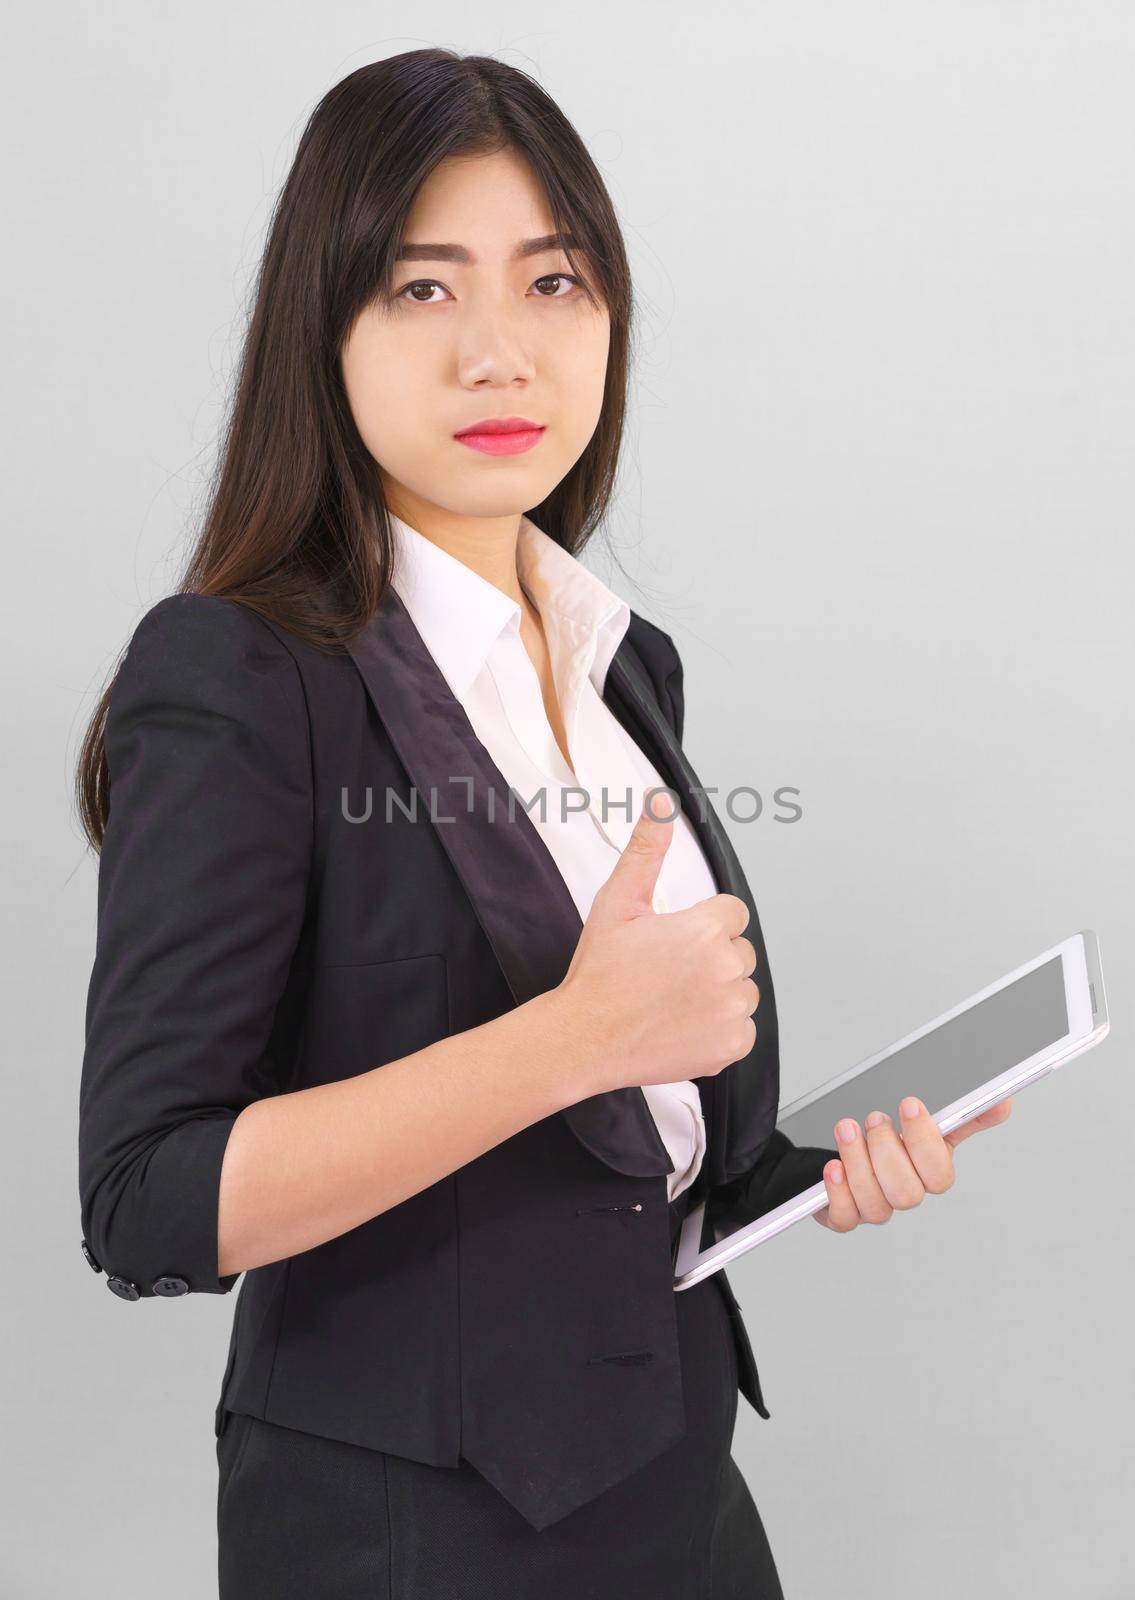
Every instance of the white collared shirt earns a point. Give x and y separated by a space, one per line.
472 631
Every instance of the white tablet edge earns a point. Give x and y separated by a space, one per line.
1088 1023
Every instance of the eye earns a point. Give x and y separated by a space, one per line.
408 291
419 283
558 277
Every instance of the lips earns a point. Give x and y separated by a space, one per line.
500 425
501 436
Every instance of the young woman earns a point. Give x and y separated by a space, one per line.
438 1072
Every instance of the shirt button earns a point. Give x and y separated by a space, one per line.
170 1286
123 1288
90 1257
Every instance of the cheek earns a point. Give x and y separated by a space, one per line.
388 389
594 351
586 375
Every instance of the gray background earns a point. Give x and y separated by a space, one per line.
879 486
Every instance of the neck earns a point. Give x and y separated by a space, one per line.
485 544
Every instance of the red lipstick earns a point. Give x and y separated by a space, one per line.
501 436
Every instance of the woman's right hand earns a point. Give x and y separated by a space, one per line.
659 996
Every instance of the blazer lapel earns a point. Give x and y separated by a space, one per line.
521 901
740 1103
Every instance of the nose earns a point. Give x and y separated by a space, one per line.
493 351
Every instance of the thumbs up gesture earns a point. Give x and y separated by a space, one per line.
660 996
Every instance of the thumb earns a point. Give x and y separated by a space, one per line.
629 891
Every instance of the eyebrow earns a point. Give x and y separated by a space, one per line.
458 252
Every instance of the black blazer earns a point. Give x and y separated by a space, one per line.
256 935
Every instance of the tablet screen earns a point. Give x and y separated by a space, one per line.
983 1041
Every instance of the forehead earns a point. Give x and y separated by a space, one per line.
489 205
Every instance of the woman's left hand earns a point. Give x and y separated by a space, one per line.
880 1173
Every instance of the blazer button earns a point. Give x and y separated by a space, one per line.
170 1286
89 1253
124 1288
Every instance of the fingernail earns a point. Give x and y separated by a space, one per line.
846 1130
910 1108
836 1173
875 1118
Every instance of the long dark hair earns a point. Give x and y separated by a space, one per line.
296 526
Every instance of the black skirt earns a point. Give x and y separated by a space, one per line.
302 1517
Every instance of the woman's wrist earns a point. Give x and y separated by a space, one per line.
569 1054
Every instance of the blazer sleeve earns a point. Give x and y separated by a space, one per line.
202 889
782 1170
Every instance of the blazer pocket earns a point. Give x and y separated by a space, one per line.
362 1016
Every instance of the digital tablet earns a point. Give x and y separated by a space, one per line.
1007 1035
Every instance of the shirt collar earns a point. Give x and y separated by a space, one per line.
587 615
460 615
